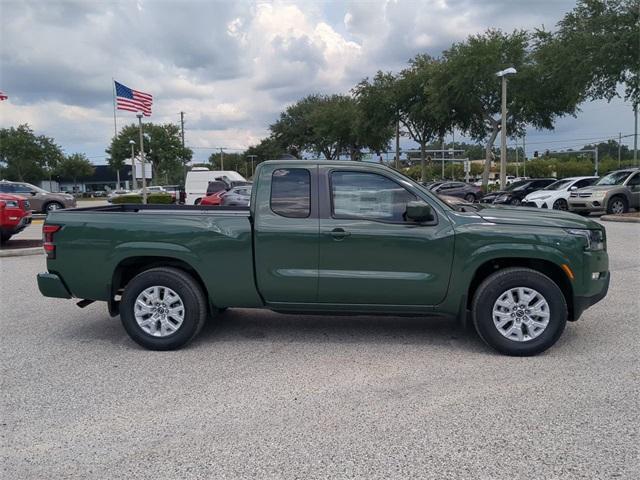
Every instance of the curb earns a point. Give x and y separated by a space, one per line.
22 252
619 218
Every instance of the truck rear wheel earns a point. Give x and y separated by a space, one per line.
519 311
163 308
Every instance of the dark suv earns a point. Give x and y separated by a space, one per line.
469 192
515 193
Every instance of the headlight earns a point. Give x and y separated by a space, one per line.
69 197
502 197
11 203
594 238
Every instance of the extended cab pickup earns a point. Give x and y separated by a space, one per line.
330 237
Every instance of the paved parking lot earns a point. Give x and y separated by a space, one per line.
263 395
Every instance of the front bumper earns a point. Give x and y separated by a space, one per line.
580 304
535 203
51 285
586 204
19 226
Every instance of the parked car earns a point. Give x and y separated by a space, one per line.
237 197
468 191
174 190
98 193
214 198
556 195
327 237
39 199
614 193
15 215
515 193
116 193
198 180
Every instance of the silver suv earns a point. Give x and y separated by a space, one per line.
39 199
614 193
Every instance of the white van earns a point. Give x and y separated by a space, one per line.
198 180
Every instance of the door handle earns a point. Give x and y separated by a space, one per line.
338 233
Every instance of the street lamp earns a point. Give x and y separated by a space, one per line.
503 74
133 167
144 180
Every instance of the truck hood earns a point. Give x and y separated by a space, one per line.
598 188
535 217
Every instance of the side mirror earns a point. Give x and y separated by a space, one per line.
572 188
419 211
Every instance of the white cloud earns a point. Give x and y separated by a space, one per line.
231 66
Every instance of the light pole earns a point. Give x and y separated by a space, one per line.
133 167
251 157
144 180
503 74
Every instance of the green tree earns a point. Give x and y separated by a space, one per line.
74 167
468 87
25 156
267 149
378 110
163 148
597 43
423 117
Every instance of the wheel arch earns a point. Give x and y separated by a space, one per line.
131 266
546 267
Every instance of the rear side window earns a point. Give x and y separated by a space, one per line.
291 192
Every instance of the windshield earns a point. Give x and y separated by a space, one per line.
516 186
614 178
559 185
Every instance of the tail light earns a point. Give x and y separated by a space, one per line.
47 240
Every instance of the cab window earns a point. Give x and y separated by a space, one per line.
291 192
368 196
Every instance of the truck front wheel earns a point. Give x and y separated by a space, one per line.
163 308
519 311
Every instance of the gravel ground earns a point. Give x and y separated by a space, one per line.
263 395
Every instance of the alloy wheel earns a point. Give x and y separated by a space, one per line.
159 311
521 314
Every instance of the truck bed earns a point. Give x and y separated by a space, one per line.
95 242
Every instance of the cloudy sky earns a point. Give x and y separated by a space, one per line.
232 66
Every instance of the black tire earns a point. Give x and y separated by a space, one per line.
561 204
499 282
198 201
51 206
616 203
515 202
192 296
470 197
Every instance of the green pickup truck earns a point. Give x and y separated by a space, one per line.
330 237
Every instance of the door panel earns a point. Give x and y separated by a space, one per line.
374 261
286 234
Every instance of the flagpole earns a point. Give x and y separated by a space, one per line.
115 126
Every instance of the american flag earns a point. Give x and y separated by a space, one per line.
3 96
133 100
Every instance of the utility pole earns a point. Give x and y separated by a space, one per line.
635 137
503 136
221 159
184 160
142 162
453 150
517 174
133 165
398 144
524 154
442 158
252 157
619 146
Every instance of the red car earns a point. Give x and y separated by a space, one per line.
214 198
15 215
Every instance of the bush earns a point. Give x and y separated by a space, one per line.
152 198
